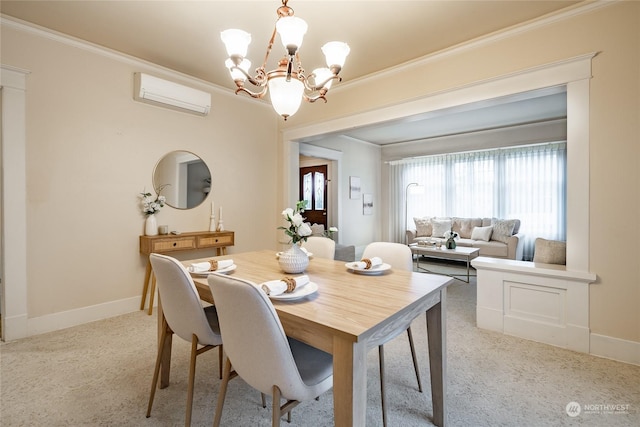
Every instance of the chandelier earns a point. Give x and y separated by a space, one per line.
288 84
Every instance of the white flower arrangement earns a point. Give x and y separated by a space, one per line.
298 230
150 205
451 235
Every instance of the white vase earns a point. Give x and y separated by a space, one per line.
151 226
294 260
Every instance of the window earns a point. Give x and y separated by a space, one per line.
527 183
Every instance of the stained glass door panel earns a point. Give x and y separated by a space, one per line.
313 190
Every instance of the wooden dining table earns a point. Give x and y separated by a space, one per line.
348 312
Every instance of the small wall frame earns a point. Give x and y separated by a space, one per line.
354 187
367 204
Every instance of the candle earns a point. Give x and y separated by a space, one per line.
212 209
220 214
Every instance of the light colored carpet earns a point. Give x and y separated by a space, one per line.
99 374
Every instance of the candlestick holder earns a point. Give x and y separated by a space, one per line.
220 226
212 223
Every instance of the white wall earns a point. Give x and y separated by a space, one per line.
91 149
359 159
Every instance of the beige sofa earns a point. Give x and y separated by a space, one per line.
494 237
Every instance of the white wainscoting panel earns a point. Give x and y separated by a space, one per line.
540 302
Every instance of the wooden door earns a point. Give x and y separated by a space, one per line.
313 190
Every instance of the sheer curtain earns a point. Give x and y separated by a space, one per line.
527 183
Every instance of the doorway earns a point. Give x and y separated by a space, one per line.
313 190
574 72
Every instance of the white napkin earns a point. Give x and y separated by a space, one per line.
375 261
277 288
203 267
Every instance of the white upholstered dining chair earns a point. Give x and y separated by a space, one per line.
259 351
184 316
399 256
321 247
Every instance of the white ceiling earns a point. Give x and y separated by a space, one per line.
184 36
530 107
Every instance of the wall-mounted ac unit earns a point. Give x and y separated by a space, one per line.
156 91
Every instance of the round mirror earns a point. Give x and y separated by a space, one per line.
183 178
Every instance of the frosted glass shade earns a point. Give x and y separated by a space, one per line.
335 53
286 96
237 74
322 75
236 41
292 31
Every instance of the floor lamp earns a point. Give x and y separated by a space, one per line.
406 204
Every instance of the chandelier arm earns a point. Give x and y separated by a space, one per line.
258 95
259 80
269 47
322 84
312 99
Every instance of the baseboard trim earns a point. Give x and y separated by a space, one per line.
66 319
487 318
14 327
615 348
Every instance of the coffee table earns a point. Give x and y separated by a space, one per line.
459 253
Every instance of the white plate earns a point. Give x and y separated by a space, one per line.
309 254
308 289
221 271
378 269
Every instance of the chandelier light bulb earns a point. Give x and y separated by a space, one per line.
286 96
323 76
292 31
236 41
336 53
237 74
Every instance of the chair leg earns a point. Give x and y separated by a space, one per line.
152 293
220 352
382 385
415 359
223 391
156 371
264 400
275 407
192 376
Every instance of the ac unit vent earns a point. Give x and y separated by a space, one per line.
156 91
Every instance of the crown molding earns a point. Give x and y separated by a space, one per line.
481 41
39 31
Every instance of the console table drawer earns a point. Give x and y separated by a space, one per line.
215 241
187 242
177 244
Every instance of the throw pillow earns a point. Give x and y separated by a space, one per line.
423 227
550 251
464 226
317 230
503 229
482 233
440 226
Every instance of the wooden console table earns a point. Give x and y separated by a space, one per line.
163 244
